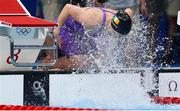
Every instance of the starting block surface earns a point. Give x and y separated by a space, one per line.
11 7
25 21
13 13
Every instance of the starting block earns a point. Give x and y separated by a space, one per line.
21 37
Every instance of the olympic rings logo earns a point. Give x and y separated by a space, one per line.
8 61
23 31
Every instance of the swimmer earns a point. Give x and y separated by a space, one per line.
92 16
70 26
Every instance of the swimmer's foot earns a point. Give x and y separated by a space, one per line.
48 59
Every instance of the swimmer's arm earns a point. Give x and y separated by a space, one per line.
143 7
129 11
68 10
77 13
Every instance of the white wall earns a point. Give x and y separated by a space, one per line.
96 90
178 20
168 83
11 89
36 36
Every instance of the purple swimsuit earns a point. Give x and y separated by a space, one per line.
68 34
74 39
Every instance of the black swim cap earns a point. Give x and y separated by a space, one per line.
121 22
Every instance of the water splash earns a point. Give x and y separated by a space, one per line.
115 51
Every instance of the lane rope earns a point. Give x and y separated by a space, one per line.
166 100
18 107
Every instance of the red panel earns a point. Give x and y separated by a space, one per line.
26 21
11 107
11 7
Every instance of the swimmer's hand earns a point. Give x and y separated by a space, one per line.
56 34
56 31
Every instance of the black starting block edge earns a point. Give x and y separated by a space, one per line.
169 70
33 72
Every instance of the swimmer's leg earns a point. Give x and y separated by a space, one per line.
48 53
76 63
70 63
